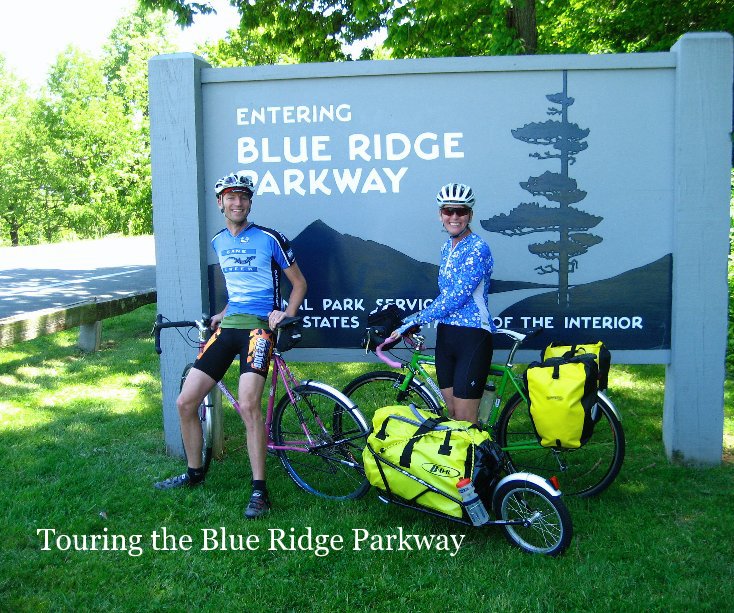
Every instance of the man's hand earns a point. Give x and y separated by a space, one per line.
275 317
216 320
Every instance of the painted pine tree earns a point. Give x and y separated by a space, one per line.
570 224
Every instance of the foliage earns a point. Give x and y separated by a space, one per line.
75 160
133 41
16 209
730 343
236 49
626 26
81 442
319 31
432 28
183 10
86 133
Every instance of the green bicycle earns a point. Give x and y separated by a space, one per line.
583 472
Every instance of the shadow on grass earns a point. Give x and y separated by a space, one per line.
81 441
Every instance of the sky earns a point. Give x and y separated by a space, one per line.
34 32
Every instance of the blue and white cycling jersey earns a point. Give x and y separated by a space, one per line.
252 264
463 280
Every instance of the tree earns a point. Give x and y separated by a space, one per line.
237 49
133 41
183 11
16 208
626 26
86 133
565 140
75 161
319 30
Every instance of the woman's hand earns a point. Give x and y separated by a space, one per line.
407 328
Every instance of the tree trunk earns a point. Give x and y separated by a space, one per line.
521 17
13 229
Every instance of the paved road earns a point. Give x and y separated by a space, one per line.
45 276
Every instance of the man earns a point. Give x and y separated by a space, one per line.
252 259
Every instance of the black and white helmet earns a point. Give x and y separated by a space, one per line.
236 182
456 194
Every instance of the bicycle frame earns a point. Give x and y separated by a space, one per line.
280 372
508 381
588 469
311 421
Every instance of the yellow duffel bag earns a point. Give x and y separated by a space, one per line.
416 455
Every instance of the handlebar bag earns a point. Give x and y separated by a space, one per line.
561 396
419 456
567 350
380 325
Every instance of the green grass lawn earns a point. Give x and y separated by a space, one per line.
81 443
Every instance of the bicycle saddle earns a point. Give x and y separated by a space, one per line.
288 321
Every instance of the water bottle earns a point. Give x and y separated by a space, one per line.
486 403
472 503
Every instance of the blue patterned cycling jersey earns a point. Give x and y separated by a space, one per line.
252 263
463 280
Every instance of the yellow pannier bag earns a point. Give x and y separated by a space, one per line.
419 456
562 394
567 350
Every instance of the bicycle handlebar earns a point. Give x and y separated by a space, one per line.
518 337
160 324
383 357
199 324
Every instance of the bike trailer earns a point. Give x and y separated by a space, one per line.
418 457
567 350
562 397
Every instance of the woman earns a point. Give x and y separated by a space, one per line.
465 326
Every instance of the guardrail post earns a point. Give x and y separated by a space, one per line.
90 337
90 332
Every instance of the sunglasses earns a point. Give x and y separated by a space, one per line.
460 212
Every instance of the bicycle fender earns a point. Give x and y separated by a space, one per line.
341 397
611 405
530 477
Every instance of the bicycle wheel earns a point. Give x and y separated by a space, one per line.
205 418
323 438
586 471
380 389
548 527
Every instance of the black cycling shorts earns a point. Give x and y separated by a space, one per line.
463 358
255 348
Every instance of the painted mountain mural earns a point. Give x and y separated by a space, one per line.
629 311
348 277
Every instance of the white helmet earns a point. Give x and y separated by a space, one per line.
237 182
456 194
